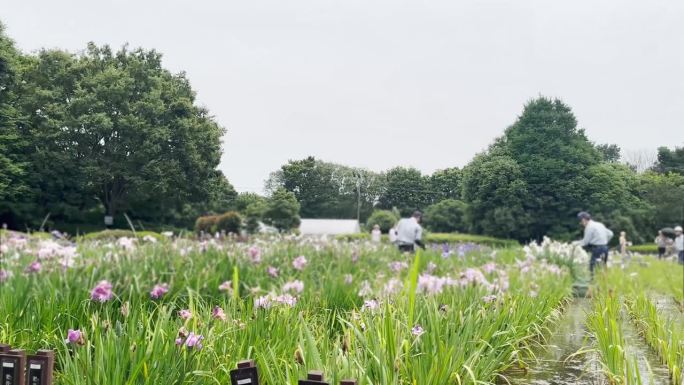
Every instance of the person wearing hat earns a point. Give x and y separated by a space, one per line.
596 237
410 233
679 244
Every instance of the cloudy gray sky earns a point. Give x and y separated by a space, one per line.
383 83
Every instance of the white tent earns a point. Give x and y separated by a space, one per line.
329 226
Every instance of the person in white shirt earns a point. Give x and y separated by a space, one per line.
410 233
376 234
679 243
596 236
393 234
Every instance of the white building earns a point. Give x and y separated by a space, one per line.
329 227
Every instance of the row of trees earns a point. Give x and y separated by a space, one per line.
101 133
529 183
105 132
328 190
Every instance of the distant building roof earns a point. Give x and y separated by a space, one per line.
329 226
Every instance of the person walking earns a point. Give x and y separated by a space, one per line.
376 234
679 244
410 233
623 246
661 242
596 236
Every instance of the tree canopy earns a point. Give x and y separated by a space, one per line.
104 132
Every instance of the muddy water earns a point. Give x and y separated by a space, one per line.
668 307
651 370
557 363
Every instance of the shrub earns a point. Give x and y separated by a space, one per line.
644 249
230 222
206 224
446 216
384 218
253 215
282 210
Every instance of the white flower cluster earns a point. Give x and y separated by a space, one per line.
565 251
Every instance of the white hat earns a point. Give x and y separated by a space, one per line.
678 228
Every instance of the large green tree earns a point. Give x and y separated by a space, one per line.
282 210
103 132
445 184
612 196
665 195
496 193
609 152
139 132
406 189
12 166
670 160
446 216
55 172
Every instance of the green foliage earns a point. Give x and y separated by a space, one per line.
470 238
206 224
12 167
328 190
613 197
245 199
553 156
664 193
104 131
406 189
670 160
253 215
230 222
496 195
282 210
386 219
447 216
445 184
609 152
644 249
533 180
326 330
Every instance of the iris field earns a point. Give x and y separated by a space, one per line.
180 311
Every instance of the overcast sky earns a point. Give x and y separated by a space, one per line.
378 84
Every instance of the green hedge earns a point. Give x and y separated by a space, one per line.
442 238
106 235
35 234
644 249
479 239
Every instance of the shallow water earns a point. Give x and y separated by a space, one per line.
668 307
650 368
556 363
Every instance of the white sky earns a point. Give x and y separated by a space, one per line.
384 83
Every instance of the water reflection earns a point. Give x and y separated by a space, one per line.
557 362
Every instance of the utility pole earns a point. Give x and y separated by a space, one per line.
358 198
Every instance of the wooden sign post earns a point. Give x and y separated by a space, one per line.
245 374
12 365
314 378
40 368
